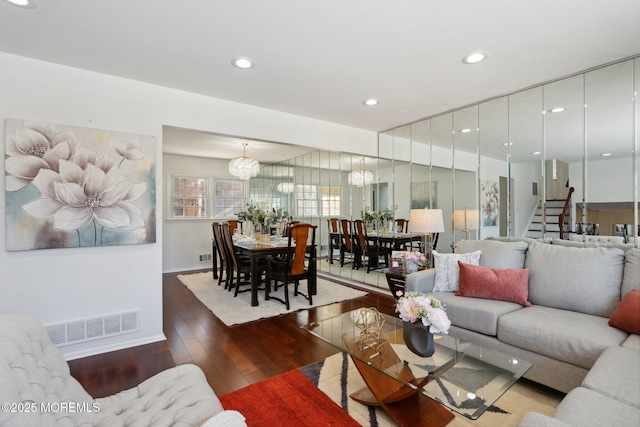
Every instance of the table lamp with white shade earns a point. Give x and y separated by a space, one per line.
426 221
466 220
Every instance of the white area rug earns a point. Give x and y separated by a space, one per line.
233 311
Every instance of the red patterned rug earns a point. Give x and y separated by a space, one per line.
318 395
285 400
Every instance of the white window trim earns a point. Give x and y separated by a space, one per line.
169 204
245 186
210 196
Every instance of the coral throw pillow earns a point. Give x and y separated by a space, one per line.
627 314
505 284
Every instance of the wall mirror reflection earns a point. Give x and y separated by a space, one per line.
505 168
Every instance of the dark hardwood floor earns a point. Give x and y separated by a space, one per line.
231 357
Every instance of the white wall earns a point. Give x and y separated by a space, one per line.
602 185
524 174
59 285
185 239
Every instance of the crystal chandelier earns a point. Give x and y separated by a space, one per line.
244 167
285 187
360 177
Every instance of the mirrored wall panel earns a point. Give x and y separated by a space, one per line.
554 161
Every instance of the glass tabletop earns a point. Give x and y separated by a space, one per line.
464 377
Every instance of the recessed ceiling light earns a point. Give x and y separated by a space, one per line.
371 102
243 63
475 57
466 130
27 4
556 110
536 153
605 154
507 143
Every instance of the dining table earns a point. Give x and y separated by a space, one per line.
257 250
396 240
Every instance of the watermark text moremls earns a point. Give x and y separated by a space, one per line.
50 407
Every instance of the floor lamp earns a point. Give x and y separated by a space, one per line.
427 222
466 220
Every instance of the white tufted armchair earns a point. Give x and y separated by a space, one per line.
37 390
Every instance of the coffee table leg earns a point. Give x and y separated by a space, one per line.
407 406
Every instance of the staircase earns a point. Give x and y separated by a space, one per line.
552 230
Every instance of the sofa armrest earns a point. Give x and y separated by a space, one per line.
180 396
534 419
421 281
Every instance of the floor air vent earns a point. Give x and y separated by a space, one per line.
77 331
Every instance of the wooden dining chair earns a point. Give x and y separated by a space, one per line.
294 266
234 224
240 270
221 253
401 225
289 224
370 247
334 237
348 245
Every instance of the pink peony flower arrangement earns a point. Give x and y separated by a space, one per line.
414 306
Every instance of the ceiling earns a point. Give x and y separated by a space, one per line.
322 59
188 142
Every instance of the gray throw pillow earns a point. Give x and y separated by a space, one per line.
495 254
586 280
631 278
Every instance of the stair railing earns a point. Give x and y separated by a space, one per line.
567 204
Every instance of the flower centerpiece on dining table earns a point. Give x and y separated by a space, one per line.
262 217
386 218
370 218
377 220
423 316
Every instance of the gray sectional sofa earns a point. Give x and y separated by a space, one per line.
565 332
37 389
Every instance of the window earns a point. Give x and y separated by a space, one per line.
307 200
330 200
189 197
229 198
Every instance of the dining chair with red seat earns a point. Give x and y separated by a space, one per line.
294 265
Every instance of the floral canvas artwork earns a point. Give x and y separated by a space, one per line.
71 187
490 199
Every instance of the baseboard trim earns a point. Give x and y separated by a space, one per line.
112 347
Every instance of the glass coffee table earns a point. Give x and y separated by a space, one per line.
415 390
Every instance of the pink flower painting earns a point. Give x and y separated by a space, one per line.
75 187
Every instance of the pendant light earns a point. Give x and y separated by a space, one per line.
360 177
244 167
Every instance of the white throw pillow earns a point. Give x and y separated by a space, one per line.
447 270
